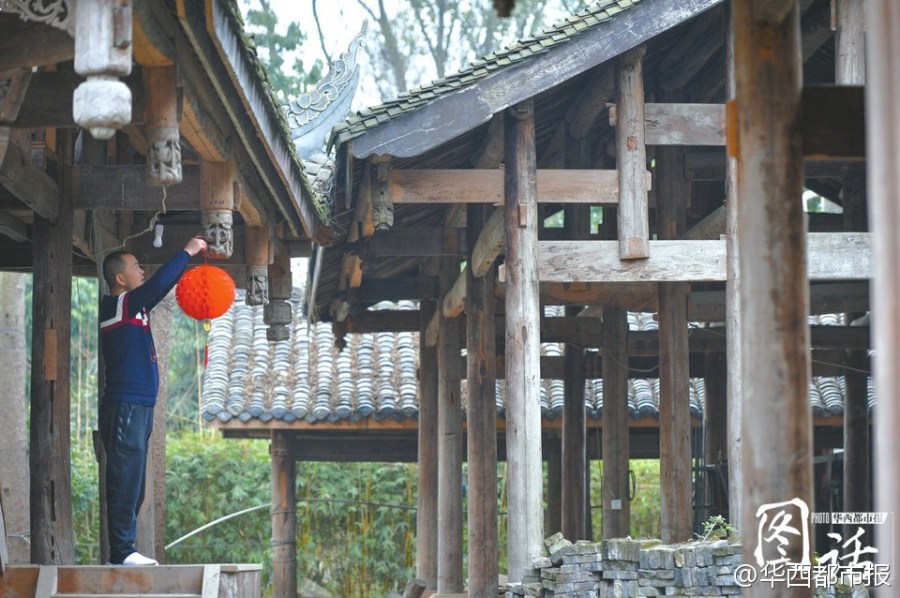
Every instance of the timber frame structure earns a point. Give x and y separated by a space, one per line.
113 118
696 126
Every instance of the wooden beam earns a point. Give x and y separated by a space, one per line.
486 186
124 187
481 417
12 227
416 242
523 437
26 44
490 244
427 453
450 445
684 124
709 165
52 535
574 449
674 415
831 256
284 514
615 439
454 301
773 253
591 101
631 158
27 183
388 320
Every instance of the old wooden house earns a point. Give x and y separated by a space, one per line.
117 117
642 157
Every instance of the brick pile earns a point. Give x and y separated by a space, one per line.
626 568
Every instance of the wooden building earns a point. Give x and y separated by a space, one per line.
116 117
674 143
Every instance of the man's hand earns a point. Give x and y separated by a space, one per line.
196 245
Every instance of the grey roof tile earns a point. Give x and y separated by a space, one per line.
306 379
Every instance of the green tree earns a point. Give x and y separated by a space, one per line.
273 46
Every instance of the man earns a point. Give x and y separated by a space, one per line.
132 381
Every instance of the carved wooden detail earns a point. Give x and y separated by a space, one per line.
56 13
103 43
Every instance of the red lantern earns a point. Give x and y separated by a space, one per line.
205 292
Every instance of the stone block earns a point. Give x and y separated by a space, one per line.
732 559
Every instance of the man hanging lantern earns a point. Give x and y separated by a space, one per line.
205 292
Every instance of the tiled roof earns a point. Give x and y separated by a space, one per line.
560 33
305 378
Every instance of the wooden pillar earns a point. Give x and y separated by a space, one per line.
733 324
284 515
631 157
675 474
450 443
216 205
674 385
523 366
259 254
553 515
426 513
52 539
850 69
715 432
774 283
481 359
883 157
574 445
164 143
616 444
14 474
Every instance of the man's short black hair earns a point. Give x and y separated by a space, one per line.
113 264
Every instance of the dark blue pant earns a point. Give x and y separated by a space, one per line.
125 429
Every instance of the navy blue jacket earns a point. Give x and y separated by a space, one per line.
132 375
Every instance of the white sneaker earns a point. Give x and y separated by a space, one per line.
136 559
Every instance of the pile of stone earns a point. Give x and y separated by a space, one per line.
626 568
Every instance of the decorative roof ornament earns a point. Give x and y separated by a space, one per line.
312 115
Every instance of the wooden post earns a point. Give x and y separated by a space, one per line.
631 157
52 539
574 445
216 205
258 257
615 440
164 143
481 359
883 157
284 515
674 392
674 414
523 366
850 69
733 326
450 444
774 283
14 474
426 513
553 514
715 431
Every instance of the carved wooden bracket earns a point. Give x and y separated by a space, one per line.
216 205
258 258
164 149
